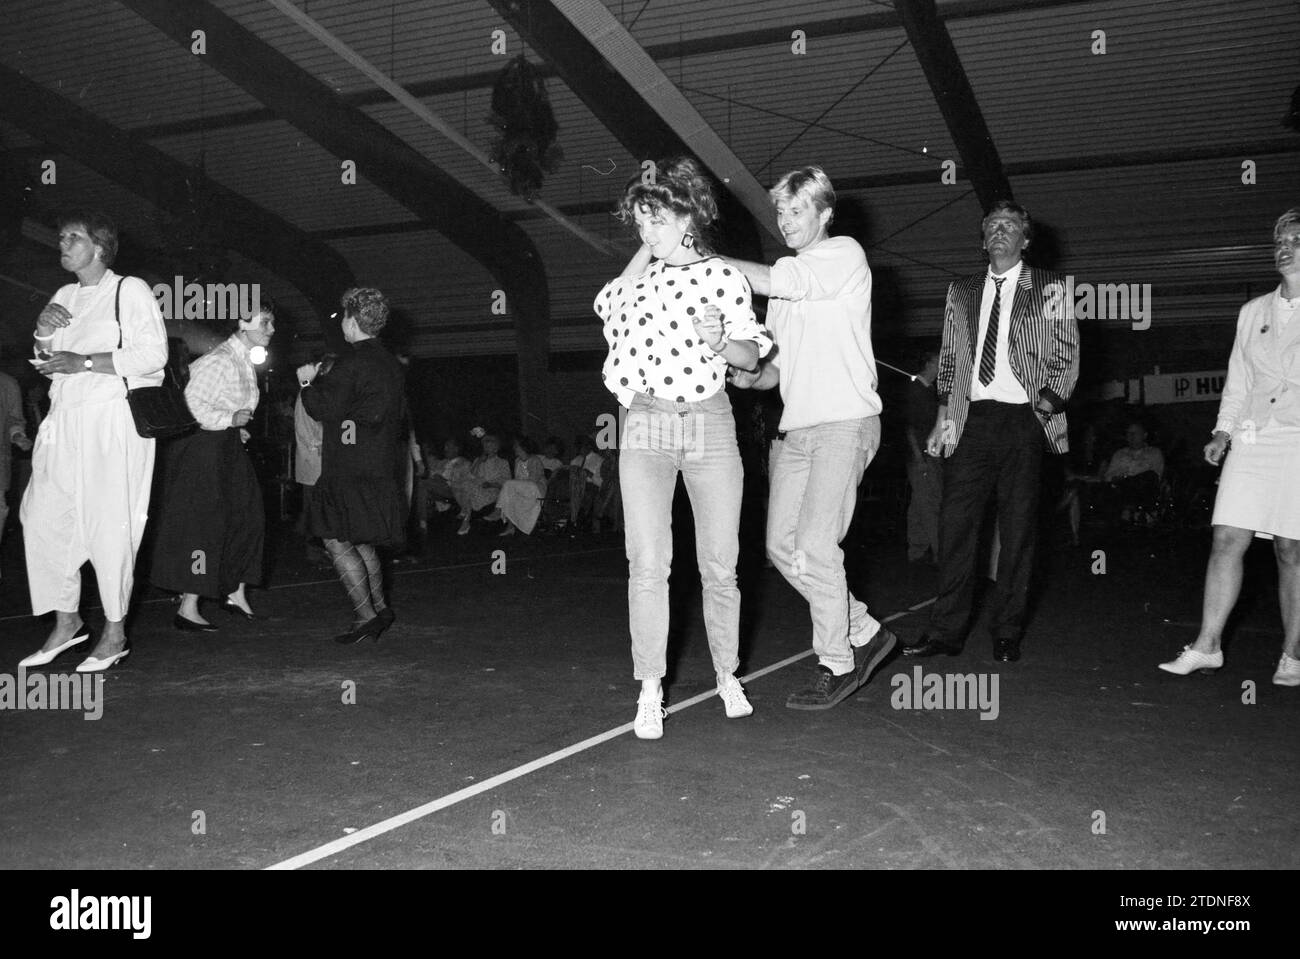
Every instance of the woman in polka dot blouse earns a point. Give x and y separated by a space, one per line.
667 366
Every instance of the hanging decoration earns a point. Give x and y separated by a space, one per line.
521 112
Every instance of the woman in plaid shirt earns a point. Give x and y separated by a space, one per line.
211 528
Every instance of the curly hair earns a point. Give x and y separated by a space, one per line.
680 185
368 306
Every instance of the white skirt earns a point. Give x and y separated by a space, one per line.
521 503
1260 486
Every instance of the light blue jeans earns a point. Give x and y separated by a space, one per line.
814 476
658 440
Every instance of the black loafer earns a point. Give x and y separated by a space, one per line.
931 645
189 626
231 608
370 628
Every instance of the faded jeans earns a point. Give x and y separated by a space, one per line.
658 440
814 488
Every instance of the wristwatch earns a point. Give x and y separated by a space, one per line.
89 364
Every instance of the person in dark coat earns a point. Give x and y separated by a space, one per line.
359 505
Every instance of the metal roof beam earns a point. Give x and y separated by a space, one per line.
625 88
623 109
698 46
955 98
1107 161
312 266
387 161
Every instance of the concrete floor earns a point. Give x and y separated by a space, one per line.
246 732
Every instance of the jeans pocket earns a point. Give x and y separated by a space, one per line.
868 439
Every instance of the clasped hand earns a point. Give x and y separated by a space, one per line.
55 317
710 328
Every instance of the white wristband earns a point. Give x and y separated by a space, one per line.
37 336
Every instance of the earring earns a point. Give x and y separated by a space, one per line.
688 240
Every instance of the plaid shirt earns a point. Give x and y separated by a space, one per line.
222 381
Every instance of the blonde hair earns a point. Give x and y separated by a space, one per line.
809 182
1288 219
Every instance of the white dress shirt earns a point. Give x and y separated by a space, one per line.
1004 387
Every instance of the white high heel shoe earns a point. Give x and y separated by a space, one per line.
1190 661
92 665
43 656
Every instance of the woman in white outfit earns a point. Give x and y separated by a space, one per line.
1259 429
88 498
521 498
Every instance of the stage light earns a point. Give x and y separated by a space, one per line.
258 355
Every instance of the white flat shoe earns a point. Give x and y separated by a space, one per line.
92 665
1288 671
43 656
1190 661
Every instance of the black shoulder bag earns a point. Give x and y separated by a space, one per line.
160 412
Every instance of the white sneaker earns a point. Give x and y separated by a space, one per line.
733 697
1190 661
650 715
1288 671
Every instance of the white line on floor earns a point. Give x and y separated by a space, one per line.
460 795
396 572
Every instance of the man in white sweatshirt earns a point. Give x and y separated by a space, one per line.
819 313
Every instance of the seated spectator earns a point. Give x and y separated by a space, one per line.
521 498
1082 469
1133 475
584 477
443 474
552 456
609 502
481 486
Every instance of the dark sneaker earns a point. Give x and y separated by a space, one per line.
868 657
827 690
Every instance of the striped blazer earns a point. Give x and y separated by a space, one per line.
1042 345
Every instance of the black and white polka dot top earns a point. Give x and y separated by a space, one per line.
649 326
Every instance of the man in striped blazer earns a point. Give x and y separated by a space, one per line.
1008 364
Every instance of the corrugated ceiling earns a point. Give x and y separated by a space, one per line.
1196 76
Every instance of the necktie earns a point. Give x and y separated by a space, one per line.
989 355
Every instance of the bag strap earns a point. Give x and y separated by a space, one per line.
117 315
